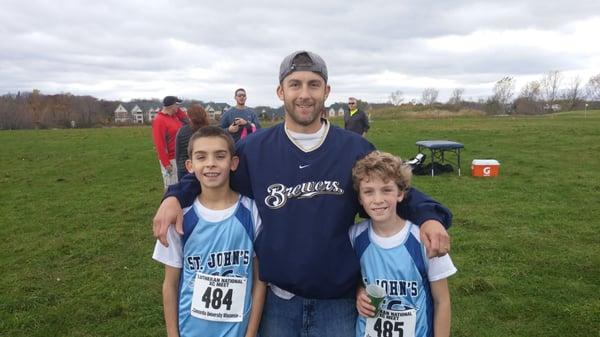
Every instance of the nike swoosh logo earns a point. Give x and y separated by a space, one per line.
303 166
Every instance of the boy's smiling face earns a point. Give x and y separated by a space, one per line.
211 162
379 198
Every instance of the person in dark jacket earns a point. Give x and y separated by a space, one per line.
355 119
198 118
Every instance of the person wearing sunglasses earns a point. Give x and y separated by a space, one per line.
240 120
356 120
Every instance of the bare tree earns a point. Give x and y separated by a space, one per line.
593 88
457 96
429 96
550 85
529 100
532 91
573 94
396 97
504 90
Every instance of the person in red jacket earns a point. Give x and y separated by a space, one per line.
164 129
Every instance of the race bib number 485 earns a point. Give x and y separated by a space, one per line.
391 324
219 298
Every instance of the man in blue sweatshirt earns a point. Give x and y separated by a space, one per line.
299 173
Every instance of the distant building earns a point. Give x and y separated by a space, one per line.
122 115
553 107
151 114
138 114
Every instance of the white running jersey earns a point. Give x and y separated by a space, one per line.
400 265
215 254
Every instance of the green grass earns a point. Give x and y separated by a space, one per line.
76 208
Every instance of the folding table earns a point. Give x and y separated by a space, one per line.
437 148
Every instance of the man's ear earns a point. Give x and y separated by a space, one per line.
235 161
280 92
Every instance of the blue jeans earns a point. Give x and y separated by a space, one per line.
302 317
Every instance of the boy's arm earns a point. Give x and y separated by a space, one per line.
170 211
170 289
442 308
259 291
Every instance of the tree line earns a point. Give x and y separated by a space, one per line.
550 93
31 110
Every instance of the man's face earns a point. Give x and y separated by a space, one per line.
303 94
351 104
240 97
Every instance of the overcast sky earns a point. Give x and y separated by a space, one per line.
124 49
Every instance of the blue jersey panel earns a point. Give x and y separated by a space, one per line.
222 248
397 270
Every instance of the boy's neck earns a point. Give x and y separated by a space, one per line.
218 199
390 227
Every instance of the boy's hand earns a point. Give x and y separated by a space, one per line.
363 303
435 238
168 213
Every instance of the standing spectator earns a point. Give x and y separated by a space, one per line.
198 118
164 129
240 120
355 119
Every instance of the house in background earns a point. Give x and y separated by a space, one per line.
331 112
122 115
151 114
335 110
216 110
138 114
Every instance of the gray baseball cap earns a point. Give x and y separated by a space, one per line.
302 60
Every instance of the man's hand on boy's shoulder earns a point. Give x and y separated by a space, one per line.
168 213
435 238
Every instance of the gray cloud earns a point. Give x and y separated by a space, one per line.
129 48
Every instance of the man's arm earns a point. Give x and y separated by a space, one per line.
170 211
418 207
225 122
170 295
366 125
256 120
160 143
432 217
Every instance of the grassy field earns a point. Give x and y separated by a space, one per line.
76 209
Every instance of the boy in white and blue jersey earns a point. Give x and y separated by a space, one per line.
391 255
211 285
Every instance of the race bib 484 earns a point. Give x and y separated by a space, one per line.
219 298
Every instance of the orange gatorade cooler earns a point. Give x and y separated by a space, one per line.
485 168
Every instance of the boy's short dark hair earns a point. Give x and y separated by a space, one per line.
384 166
211 131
